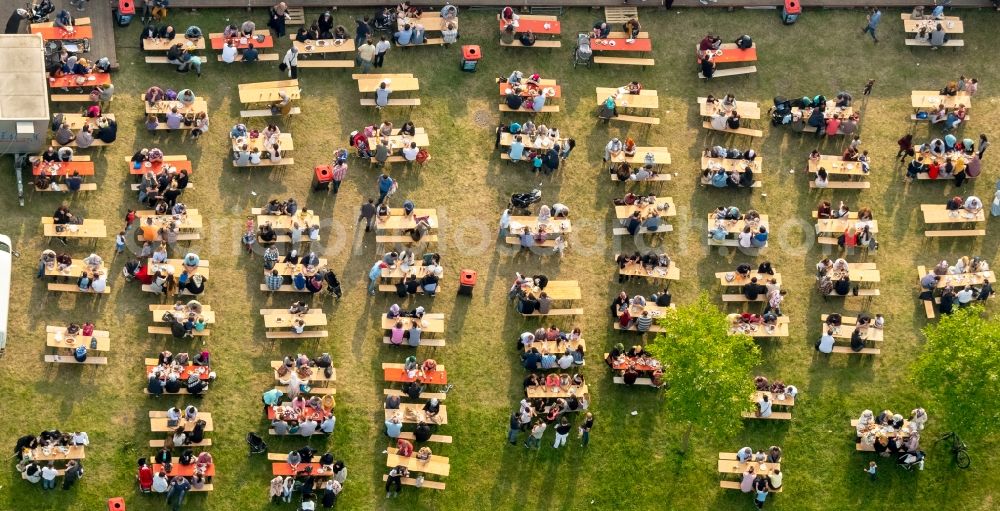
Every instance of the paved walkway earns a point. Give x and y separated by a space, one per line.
564 3
101 18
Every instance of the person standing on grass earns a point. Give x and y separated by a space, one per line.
366 54
385 186
339 171
291 62
588 424
562 433
381 48
74 471
874 17
515 428
368 211
983 144
535 437
362 32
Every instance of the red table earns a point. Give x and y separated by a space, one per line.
525 90
284 469
156 166
307 413
61 34
70 80
186 373
735 55
66 168
433 377
219 42
536 26
184 470
620 45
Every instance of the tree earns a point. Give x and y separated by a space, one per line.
708 370
960 368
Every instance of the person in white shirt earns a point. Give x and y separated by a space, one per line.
229 52
100 283
410 152
328 424
381 48
825 343
81 438
746 238
744 454
160 483
566 361
965 296
49 474
973 204
173 414
764 406
255 156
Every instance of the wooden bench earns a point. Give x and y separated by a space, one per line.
557 312
437 343
735 485
955 233
842 185
619 15
780 416
928 304
652 328
165 330
545 109
159 444
59 473
658 177
732 71
621 231
67 359
638 381
295 16
739 131
625 61
268 113
637 119
405 239
393 102
261 57
706 181
60 187
204 487
73 288
267 163
861 292
514 240
409 481
183 236
72 143
952 43
914 118
440 396
84 98
441 439
538 44
848 351
390 159
293 335
340 63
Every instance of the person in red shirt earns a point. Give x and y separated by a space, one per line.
404 448
832 125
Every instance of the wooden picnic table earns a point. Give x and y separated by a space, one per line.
284 222
556 346
173 166
646 98
746 109
543 392
553 226
736 467
831 110
620 44
398 142
284 469
57 453
506 139
287 320
559 290
620 364
288 270
931 99
164 107
284 142
958 280
322 46
950 26
859 274
535 26
203 372
73 271
158 44
64 168
396 84
846 331
396 373
733 164
89 229
190 220
177 265
429 323
56 337
839 225
158 422
671 272
243 42
774 398
655 311
736 226
729 52
398 272
317 376
207 315
660 154
396 221
437 465
623 212
77 121
267 92
431 21
177 469
412 413
62 34
286 411
938 214
837 165
90 80
740 281
759 330
531 91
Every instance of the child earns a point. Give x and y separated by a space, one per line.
872 468
868 88
249 236
536 162
129 218
120 243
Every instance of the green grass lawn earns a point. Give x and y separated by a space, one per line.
632 461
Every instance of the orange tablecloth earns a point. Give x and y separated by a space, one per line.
433 377
536 26
306 413
219 42
66 168
155 167
70 80
184 470
55 33
525 91
638 367
186 373
284 469
737 55
637 45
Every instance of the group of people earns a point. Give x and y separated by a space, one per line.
756 481
253 146
295 373
159 189
303 483
649 261
305 272
963 295
47 441
632 364
167 375
542 146
526 92
534 417
753 235
634 313
763 405
106 131
859 334
889 434
943 158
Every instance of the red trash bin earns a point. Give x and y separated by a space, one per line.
126 7
322 178
467 281
116 504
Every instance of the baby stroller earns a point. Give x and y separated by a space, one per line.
256 443
911 459
583 54
781 113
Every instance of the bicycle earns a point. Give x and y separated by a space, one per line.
959 449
